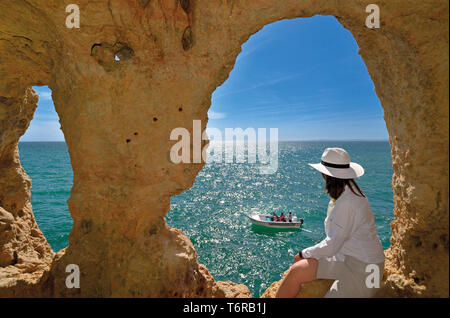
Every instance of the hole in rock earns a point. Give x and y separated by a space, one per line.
185 5
44 156
111 56
306 78
187 39
144 2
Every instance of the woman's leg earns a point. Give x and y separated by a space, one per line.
303 271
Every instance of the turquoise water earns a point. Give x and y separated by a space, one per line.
213 212
48 165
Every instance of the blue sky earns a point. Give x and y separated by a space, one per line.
45 123
302 76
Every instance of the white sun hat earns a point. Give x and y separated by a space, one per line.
336 163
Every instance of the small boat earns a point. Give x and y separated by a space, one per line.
264 220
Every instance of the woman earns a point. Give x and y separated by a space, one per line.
351 253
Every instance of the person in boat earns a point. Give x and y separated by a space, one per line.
351 244
274 217
290 217
282 217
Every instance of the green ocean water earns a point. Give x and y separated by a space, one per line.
213 212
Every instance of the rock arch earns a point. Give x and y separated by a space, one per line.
172 56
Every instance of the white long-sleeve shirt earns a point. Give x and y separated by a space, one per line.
350 230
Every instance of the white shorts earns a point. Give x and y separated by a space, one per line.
353 278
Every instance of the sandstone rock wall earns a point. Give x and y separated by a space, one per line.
116 117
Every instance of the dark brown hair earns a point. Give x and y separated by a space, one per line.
334 186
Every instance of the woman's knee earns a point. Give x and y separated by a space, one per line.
305 269
312 262
299 267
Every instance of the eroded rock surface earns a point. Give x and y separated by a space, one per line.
24 251
117 115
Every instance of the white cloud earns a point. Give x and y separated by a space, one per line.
45 95
269 82
216 115
43 131
44 92
251 48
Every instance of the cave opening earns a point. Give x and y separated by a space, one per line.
45 158
305 77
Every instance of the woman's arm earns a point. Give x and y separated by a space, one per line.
341 224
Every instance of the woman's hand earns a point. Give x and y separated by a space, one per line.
297 258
